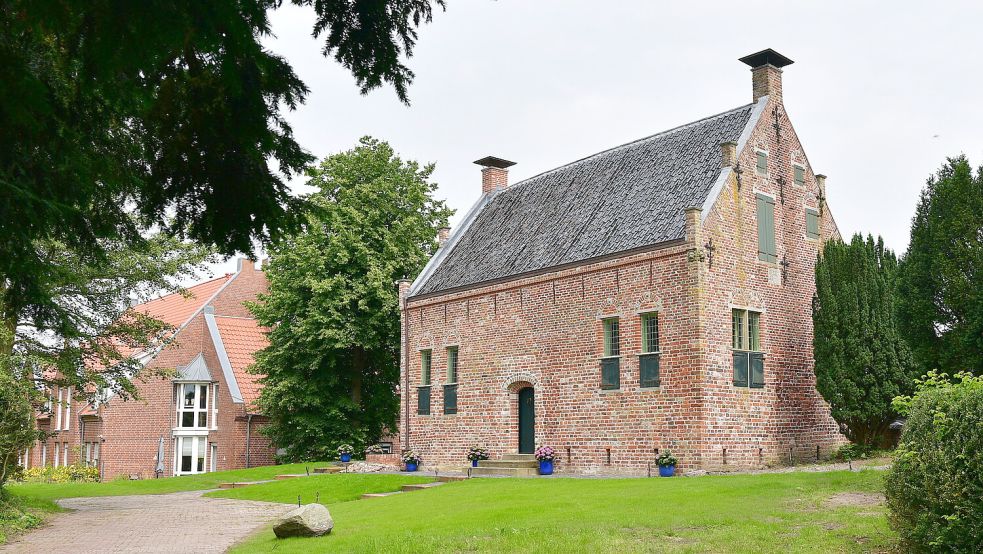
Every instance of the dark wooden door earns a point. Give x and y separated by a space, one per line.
527 421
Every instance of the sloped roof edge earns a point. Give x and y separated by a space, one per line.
223 358
718 186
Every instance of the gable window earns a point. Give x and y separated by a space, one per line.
423 391
767 252
762 163
648 360
812 223
192 405
749 368
799 175
611 362
450 389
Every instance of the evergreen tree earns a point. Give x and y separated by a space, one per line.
941 275
862 363
332 366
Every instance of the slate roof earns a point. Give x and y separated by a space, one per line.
628 197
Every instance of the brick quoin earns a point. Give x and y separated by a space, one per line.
544 330
129 431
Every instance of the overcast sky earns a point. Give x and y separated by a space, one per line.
880 92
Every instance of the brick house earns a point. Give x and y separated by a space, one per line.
655 295
203 412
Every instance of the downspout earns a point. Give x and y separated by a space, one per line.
82 438
249 426
406 374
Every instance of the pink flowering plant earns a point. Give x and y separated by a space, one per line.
476 453
547 454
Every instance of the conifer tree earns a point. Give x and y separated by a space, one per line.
862 362
941 276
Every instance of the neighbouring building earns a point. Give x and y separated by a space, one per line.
653 296
204 414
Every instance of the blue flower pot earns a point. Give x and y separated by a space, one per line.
345 458
546 467
410 467
474 463
667 471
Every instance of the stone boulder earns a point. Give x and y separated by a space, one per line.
312 520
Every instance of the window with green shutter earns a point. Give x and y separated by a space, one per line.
767 252
611 362
799 175
762 165
452 364
648 360
812 223
426 363
749 360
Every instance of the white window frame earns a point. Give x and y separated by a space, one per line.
56 459
44 454
196 408
199 450
57 409
213 455
64 454
214 421
68 409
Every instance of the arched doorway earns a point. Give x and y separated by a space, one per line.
527 420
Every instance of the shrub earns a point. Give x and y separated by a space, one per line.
63 474
547 454
666 459
477 453
935 487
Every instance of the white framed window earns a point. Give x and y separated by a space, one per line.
64 454
56 459
189 454
57 409
44 454
95 454
192 405
213 456
215 407
67 405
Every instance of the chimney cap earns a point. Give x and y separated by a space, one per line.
492 161
766 57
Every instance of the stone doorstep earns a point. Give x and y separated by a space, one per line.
517 458
504 472
450 478
290 476
368 495
328 469
508 464
239 485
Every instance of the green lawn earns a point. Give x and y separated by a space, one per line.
53 491
19 514
739 513
328 489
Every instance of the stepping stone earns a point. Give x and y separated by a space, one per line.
420 486
328 469
379 494
238 485
290 476
449 478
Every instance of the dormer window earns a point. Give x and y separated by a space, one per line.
192 405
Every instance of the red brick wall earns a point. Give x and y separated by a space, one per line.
546 331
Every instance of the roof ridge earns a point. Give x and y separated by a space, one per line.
629 143
236 317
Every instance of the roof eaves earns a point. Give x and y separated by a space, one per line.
718 186
443 251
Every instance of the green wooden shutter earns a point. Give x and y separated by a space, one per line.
648 366
610 373
767 252
450 399
740 369
812 223
800 175
423 401
757 363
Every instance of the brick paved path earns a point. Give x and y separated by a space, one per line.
179 522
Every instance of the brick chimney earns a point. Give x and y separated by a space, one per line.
442 235
494 173
728 153
766 73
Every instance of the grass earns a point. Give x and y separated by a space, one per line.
734 513
19 514
54 491
327 489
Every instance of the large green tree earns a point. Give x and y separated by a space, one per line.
941 281
332 366
862 362
170 110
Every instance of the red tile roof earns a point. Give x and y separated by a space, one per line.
242 338
175 308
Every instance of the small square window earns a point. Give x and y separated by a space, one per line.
762 165
800 175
